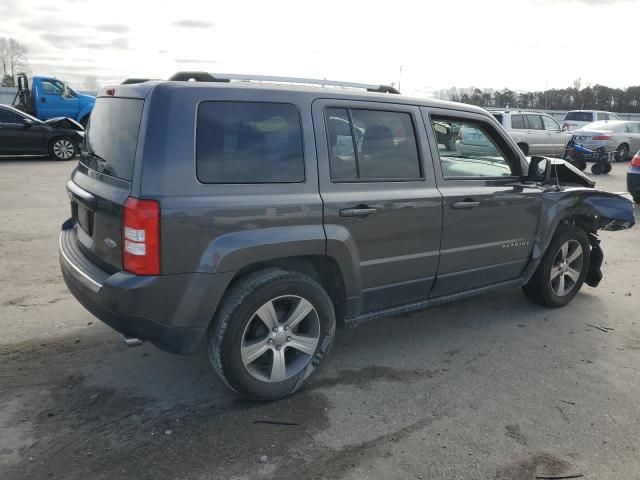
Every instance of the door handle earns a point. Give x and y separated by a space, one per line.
465 205
359 211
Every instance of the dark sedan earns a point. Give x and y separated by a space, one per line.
633 178
22 134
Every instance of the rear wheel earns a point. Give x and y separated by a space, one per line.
562 269
271 333
622 152
597 169
62 148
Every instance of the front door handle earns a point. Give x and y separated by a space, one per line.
359 211
465 205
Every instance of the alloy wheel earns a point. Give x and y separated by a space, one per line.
280 338
567 267
63 149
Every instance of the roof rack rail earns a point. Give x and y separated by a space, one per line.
227 77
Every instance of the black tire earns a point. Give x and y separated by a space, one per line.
608 167
62 148
539 288
238 309
581 165
525 148
597 169
622 152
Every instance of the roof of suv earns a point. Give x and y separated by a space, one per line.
141 90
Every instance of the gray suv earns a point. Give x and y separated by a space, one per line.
255 217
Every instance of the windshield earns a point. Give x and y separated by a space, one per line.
112 136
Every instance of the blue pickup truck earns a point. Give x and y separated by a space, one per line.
48 97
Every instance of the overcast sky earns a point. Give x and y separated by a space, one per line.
520 44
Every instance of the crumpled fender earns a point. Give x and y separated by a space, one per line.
597 209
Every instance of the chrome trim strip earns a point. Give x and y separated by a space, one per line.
75 267
80 192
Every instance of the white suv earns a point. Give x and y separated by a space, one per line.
575 119
535 133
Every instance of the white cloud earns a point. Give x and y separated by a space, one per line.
520 44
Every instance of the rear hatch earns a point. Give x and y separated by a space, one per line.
575 120
102 182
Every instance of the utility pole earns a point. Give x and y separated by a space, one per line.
400 78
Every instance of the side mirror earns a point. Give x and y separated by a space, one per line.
539 170
27 122
564 128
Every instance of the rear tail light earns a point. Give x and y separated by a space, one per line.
635 161
141 236
601 137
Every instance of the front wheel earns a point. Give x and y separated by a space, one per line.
622 152
62 148
271 333
562 269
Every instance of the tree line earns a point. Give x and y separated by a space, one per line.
597 97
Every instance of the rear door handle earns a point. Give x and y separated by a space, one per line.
466 205
363 211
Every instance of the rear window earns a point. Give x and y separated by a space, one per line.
112 136
580 116
249 142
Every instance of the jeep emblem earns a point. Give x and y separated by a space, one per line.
110 243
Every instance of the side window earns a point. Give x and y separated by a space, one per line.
535 123
550 124
517 122
632 128
50 88
7 116
372 145
249 142
476 153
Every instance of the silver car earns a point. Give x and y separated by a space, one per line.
620 136
576 119
535 133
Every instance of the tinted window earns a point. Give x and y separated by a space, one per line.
534 122
475 153
7 116
498 117
249 142
112 136
580 116
385 145
550 123
517 122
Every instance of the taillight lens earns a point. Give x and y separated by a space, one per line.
601 137
635 161
141 236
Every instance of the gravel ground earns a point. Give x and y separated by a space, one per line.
489 387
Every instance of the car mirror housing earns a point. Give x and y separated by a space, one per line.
27 122
539 170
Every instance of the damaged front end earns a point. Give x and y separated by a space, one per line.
64 122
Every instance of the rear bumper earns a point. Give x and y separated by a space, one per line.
172 311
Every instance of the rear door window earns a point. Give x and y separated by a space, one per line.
372 145
517 122
112 136
249 142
